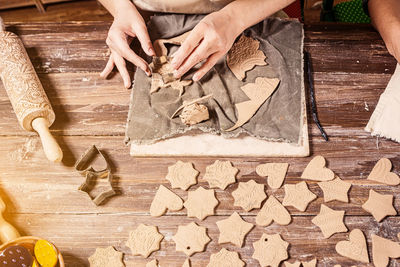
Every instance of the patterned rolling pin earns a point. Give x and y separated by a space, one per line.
26 93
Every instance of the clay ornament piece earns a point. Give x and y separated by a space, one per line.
244 55
317 171
381 173
194 114
144 240
191 238
165 200
273 210
335 190
311 263
383 249
276 173
249 195
379 205
225 258
258 92
16 256
106 257
220 174
45 253
330 221
186 263
270 250
200 203
182 175
294 264
153 263
356 248
159 44
298 195
233 230
189 103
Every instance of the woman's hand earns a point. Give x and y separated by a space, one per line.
392 41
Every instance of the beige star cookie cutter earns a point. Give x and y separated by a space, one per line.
144 240
336 189
270 250
330 221
245 55
106 257
317 171
187 263
379 205
220 174
153 263
298 195
383 249
165 200
182 175
249 195
355 248
201 203
276 173
191 238
382 173
225 258
273 210
233 230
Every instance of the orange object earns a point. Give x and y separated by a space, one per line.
45 253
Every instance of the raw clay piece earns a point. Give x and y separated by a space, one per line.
335 190
249 195
159 44
144 240
187 263
188 103
106 257
273 210
379 205
165 200
220 174
153 263
356 248
311 263
317 171
258 93
200 203
381 173
383 249
276 173
294 264
270 250
225 258
330 221
298 195
191 238
157 82
182 175
194 114
244 55
233 230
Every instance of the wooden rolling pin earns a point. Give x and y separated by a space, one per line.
7 231
26 93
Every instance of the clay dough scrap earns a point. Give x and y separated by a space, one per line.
191 238
106 257
244 55
258 93
379 205
317 171
153 263
311 263
273 210
165 200
159 44
356 248
200 203
270 250
383 249
381 173
144 240
157 80
225 258
189 103
276 173
186 263
330 221
335 190
182 175
298 196
294 264
220 174
194 114
233 230
249 195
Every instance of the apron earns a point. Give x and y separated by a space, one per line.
182 6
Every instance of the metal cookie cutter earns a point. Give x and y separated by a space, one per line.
83 167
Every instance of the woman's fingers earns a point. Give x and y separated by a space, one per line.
210 62
187 47
144 39
108 68
121 66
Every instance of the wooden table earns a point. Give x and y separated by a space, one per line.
351 69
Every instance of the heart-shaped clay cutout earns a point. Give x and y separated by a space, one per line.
273 210
165 200
317 171
381 173
356 248
383 249
276 173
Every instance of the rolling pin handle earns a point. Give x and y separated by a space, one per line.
7 232
50 146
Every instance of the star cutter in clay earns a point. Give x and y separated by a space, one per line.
144 240
270 250
106 257
298 195
379 205
233 230
336 189
191 238
220 174
225 258
330 221
182 175
201 203
249 195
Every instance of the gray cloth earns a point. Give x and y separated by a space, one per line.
278 119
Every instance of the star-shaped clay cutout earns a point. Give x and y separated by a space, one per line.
182 175
270 250
191 238
379 205
200 203
144 240
220 174
298 195
249 195
330 221
233 230
225 258
106 257
335 190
